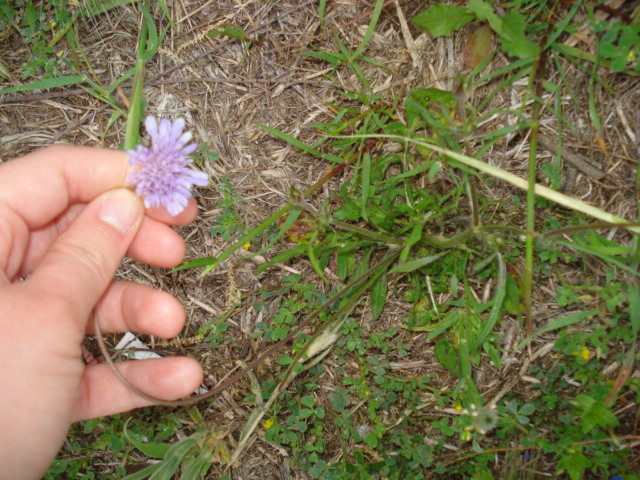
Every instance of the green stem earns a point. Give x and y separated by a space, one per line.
379 237
446 243
132 132
538 77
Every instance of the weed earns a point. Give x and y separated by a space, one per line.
229 222
413 256
36 24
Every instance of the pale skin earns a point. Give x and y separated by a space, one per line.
66 222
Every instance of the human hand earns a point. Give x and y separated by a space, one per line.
66 221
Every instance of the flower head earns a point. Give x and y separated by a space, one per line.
161 173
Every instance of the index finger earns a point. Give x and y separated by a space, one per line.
53 178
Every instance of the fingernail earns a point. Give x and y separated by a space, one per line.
120 209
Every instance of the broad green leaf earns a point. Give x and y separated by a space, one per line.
345 261
513 38
172 459
284 360
426 106
308 401
441 20
447 356
594 413
150 449
512 297
378 295
484 11
574 464
194 469
527 409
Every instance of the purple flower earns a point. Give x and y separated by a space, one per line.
161 172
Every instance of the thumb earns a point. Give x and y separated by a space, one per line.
81 263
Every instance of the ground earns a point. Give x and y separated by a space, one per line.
227 89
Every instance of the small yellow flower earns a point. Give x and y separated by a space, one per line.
585 353
457 406
268 424
246 245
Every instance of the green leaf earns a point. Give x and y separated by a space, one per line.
594 413
414 237
560 322
484 11
450 320
634 310
424 106
441 20
231 31
375 16
95 7
150 449
527 409
574 464
447 356
329 57
281 257
308 401
284 360
513 38
196 468
197 263
512 298
379 295
416 264
48 83
371 439
496 309
366 185
297 143
144 473
172 459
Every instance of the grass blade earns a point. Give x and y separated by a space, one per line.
540 190
558 323
496 308
48 83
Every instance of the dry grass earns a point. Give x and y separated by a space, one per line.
225 89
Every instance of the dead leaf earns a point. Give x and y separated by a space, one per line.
478 47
